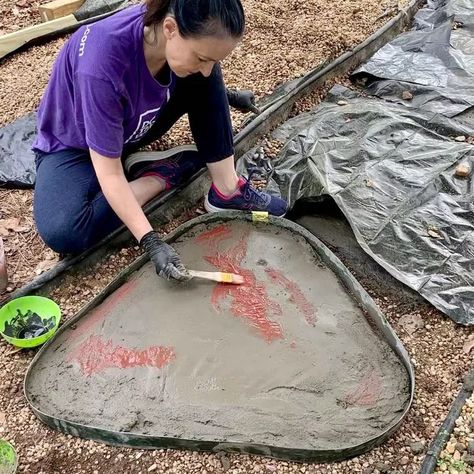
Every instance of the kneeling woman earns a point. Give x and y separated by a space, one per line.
118 85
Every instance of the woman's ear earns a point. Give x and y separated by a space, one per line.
170 27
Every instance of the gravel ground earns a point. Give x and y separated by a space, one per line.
283 40
436 348
458 454
18 14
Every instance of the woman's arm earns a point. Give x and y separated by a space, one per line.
122 200
119 194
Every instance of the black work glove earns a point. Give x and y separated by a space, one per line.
242 100
167 262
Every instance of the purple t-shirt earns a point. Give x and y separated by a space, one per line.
101 94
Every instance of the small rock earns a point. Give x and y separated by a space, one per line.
460 447
432 233
470 446
153 467
225 461
407 95
382 467
463 170
417 447
469 459
404 460
368 470
450 448
460 138
342 102
411 322
457 456
452 470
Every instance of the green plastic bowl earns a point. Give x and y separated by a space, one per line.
44 307
8 459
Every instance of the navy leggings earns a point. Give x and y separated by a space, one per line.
70 211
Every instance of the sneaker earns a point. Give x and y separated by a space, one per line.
173 166
245 198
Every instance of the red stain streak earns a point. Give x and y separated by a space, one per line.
103 310
250 300
96 354
296 295
367 391
219 233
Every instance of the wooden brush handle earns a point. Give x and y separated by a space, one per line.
220 277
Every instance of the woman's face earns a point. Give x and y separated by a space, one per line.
187 56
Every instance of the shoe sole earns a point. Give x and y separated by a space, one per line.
144 156
210 208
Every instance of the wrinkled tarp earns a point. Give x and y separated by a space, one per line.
17 161
92 8
434 61
390 169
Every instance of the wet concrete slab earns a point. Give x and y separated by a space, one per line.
288 359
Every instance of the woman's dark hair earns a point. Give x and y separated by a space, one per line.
199 17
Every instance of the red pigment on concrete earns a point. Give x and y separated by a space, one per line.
296 295
216 234
100 313
250 300
367 392
96 354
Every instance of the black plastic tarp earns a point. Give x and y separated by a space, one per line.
391 170
434 61
17 161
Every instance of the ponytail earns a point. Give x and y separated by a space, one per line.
199 17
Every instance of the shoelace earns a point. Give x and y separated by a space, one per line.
253 195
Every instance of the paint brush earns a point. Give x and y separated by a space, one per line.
221 277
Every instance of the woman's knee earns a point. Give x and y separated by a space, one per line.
60 236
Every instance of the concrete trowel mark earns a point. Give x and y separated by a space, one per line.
296 295
367 392
105 308
96 354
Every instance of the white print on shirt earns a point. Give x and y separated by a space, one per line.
145 122
82 45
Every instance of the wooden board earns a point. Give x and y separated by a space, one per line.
58 9
17 39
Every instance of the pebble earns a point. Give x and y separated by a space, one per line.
407 95
404 460
470 446
460 138
463 170
460 447
417 447
225 462
382 467
469 459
